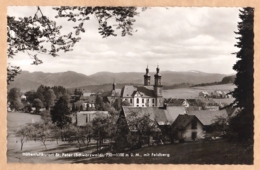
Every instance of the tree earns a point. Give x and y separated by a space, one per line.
125 103
102 128
14 97
42 131
37 103
36 33
30 96
40 92
99 103
66 97
60 113
24 134
243 123
141 125
117 104
49 98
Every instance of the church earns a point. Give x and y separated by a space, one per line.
141 96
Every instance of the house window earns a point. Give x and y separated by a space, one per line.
194 124
194 135
153 100
137 105
142 100
137 100
130 100
147 100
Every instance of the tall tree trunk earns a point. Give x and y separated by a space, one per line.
21 145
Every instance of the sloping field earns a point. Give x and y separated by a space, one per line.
17 119
193 92
222 87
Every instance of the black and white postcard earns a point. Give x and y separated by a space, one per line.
130 85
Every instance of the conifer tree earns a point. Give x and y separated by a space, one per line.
242 123
60 114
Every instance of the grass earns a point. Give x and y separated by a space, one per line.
17 119
193 92
201 152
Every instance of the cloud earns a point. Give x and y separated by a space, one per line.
179 38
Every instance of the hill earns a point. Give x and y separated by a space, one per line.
30 81
228 79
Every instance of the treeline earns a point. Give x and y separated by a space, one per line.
207 84
225 80
176 86
43 97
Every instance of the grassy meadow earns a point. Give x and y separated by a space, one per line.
193 92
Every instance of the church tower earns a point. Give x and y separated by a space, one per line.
147 77
158 87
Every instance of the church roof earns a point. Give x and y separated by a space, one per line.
145 91
128 91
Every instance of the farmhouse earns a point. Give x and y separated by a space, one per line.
189 127
208 104
157 117
208 117
204 94
141 96
189 104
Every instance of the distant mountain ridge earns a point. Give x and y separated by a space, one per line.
30 81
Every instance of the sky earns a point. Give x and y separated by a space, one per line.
175 38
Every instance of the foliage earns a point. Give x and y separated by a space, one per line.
242 123
49 98
42 131
141 126
102 128
125 103
117 104
59 91
40 92
30 96
80 134
220 124
23 133
36 33
37 103
14 97
99 103
77 92
60 113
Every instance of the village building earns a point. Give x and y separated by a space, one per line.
141 96
189 104
84 117
208 104
204 94
208 117
163 116
189 127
